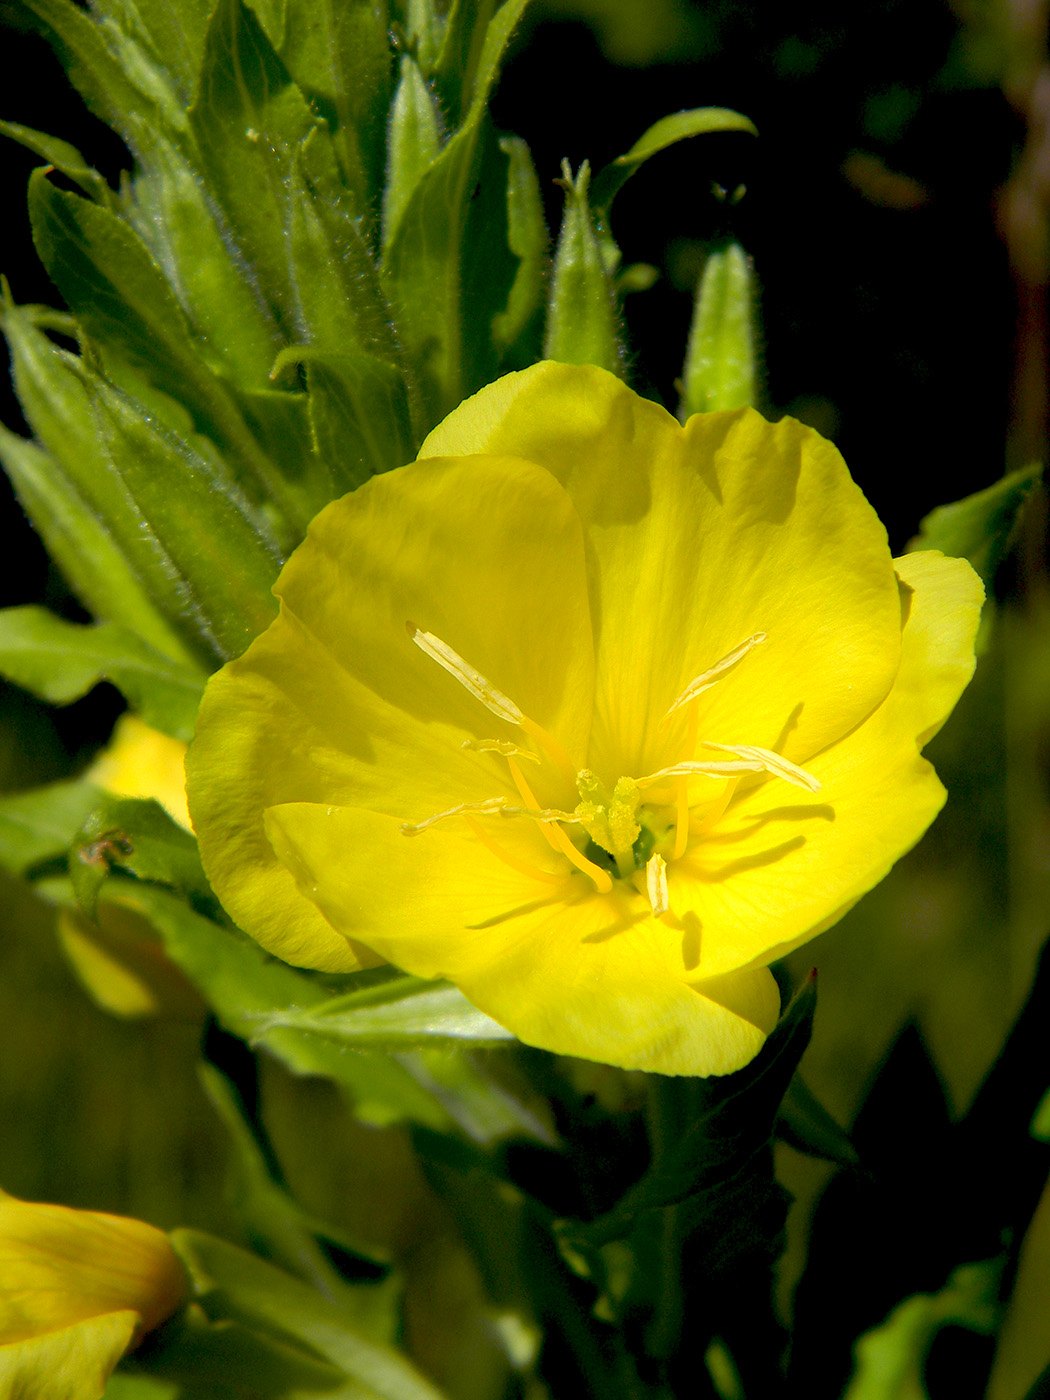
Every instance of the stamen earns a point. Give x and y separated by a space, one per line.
481 689
772 763
523 866
706 679
681 830
494 700
558 839
540 814
491 804
503 746
656 883
717 769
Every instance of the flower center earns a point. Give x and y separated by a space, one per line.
637 824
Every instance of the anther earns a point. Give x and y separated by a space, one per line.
502 746
770 762
490 804
656 883
706 679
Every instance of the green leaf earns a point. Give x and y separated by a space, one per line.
404 1012
171 34
117 74
890 1358
275 1222
720 369
807 1125
208 557
234 1285
41 825
62 156
980 527
124 1386
61 661
727 1123
679 126
234 330
455 72
582 319
415 139
128 833
340 58
81 545
358 414
529 241
123 302
424 268
249 119
244 985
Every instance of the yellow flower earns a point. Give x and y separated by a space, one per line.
142 762
77 1289
592 714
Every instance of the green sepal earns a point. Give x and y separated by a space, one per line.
137 836
39 826
61 661
413 145
359 415
720 368
63 157
980 527
518 325
234 1286
399 1014
583 324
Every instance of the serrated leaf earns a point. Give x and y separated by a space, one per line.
244 985
132 834
41 825
720 370
424 267
582 319
396 1015
679 126
980 527
61 661
77 539
232 1284
62 156
528 241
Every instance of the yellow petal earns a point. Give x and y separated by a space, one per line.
562 967
782 865
334 703
59 1266
72 1363
698 537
